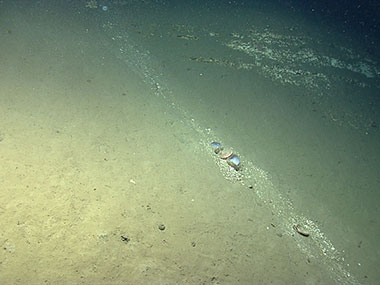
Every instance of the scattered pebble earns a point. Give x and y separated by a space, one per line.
125 239
161 227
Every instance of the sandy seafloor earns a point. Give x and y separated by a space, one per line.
106 119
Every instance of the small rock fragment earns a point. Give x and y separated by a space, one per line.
161 227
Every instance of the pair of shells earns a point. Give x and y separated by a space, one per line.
232 159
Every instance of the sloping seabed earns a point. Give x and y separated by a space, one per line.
100 147
329 75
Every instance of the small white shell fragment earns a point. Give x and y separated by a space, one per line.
132 181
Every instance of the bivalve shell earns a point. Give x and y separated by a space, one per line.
234 161
217 147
